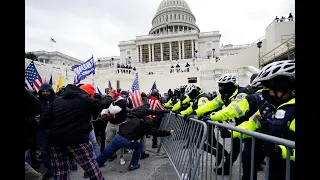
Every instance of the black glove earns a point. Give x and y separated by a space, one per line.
225 133
187 117
272 150
206 118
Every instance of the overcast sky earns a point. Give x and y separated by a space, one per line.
82 27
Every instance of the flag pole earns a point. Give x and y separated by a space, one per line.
51 44
93 76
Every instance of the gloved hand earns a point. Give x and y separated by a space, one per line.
187 117
212 116
205 119
225 133
271 149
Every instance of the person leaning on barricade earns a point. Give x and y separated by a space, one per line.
136 125
242 108
276 117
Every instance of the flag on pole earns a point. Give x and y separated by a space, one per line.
135 93
99 91
33 78
50 81
109 85
83 70
155 104
52 40
59 84
154 87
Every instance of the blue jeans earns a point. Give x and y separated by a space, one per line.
28 157
120 142
42 140
95 145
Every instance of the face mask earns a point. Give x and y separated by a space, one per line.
271 99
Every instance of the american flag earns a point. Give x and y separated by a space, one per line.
135 93
33 79
154 87
52 40
155 104
109 85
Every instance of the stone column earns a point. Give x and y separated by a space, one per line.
196 43
140 53
152 52
170 49
161 51
149 52
192 48
179 44
182 49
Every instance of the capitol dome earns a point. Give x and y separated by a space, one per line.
178 14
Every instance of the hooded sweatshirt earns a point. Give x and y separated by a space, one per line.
68 117
45 103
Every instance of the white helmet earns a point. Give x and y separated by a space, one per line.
278 68
255 83
226 78
189 88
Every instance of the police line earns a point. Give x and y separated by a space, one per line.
186 148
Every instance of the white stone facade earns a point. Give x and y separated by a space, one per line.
56 57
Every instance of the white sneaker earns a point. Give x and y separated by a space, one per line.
122 161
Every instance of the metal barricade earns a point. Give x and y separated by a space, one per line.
184 148
207 168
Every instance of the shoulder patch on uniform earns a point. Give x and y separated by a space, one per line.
204 100
280 114
240 96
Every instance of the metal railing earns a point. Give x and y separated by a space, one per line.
208 163
195 146
184 148
278 51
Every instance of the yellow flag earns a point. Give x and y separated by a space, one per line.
59 84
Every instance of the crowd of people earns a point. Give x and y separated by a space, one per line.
76 126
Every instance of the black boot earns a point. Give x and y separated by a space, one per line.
144 155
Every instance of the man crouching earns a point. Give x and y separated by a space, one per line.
135 126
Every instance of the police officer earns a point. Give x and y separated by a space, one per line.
275 117
228 90
242 108
184 101
172 101
197 97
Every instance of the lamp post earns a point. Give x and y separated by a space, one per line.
259 46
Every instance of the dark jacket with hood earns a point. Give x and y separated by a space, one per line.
31 109
138 125
68 117
45 103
